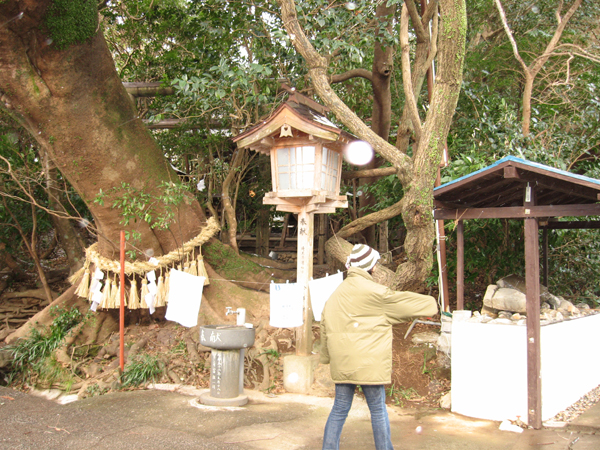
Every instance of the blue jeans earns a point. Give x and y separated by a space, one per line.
344 394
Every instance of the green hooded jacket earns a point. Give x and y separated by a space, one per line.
356 327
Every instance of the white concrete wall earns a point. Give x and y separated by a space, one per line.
570 362
489 367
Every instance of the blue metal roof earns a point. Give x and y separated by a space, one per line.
526 163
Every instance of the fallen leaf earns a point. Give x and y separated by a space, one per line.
58 429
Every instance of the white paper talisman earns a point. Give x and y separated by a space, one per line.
185 295
286 305
321 290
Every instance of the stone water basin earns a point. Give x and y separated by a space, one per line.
226 337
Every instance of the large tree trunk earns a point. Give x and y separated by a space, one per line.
74 104
263 232
382 73
418 200
526 104
382 103
229 205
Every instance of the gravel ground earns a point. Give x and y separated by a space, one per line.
579 407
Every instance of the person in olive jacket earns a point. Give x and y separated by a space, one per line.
356 340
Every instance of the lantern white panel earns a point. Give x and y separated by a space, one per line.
305 167
329 170
296 167
284 168
284 181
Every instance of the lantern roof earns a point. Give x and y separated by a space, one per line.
299 117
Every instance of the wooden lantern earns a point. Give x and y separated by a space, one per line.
306 156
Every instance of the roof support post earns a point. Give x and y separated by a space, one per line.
460 265
532 281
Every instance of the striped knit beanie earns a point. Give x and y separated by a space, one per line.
363 257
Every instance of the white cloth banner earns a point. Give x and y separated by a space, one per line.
185 295
321 290
286 305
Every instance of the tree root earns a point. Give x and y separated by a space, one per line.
44 318
61 353
193 354
5 332
135 348
260 353
94 330
33 293
173 377
83 389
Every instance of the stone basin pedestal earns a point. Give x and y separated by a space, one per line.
227 344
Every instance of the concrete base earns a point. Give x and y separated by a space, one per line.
207 399
298 373
488 355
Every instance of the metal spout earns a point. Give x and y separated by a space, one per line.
240 312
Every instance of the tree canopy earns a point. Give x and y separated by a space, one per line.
221 66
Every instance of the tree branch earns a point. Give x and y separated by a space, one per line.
420 29
539 62
371 219
147 89
411 102
578 51
431 11
369 173
27 192
433 47
355 73
510 36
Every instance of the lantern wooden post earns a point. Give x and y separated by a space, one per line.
306 222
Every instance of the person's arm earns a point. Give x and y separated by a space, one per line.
401 306
324 352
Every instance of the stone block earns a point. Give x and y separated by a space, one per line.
298 373
489 293
488 311
506 299
444 343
